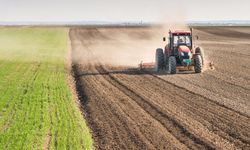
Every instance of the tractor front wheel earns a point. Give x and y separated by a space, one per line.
200 51
159 59
198 64
172 65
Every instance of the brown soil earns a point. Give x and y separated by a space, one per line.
131 109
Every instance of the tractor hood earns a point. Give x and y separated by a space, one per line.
183 49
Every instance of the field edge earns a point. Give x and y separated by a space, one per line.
72 82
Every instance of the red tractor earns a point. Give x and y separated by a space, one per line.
179 51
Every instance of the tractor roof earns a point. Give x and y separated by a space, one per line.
177 32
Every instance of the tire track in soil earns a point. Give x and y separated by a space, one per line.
208 117
112 106
172 125
217 103
237 136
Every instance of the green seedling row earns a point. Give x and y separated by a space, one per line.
37 107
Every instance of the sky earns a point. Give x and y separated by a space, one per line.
123 10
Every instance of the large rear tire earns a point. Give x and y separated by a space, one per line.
159 59
198 64
200 51
172 65
166 62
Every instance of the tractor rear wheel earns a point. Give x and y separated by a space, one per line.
200 51
166 61
159 59
198 64
172 65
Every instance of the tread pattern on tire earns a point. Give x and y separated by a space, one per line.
159 59
172 65
198 64
200 51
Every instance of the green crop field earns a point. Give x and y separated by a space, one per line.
37 107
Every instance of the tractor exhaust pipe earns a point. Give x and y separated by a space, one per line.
191 29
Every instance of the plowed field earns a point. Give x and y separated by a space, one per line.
131 109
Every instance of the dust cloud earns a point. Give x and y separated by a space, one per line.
120 46
124 46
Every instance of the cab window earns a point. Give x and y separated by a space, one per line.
182 39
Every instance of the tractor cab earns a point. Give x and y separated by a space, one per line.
180 38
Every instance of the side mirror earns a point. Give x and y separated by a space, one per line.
164 39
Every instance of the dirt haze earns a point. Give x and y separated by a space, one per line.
121 46
113 46
131 109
